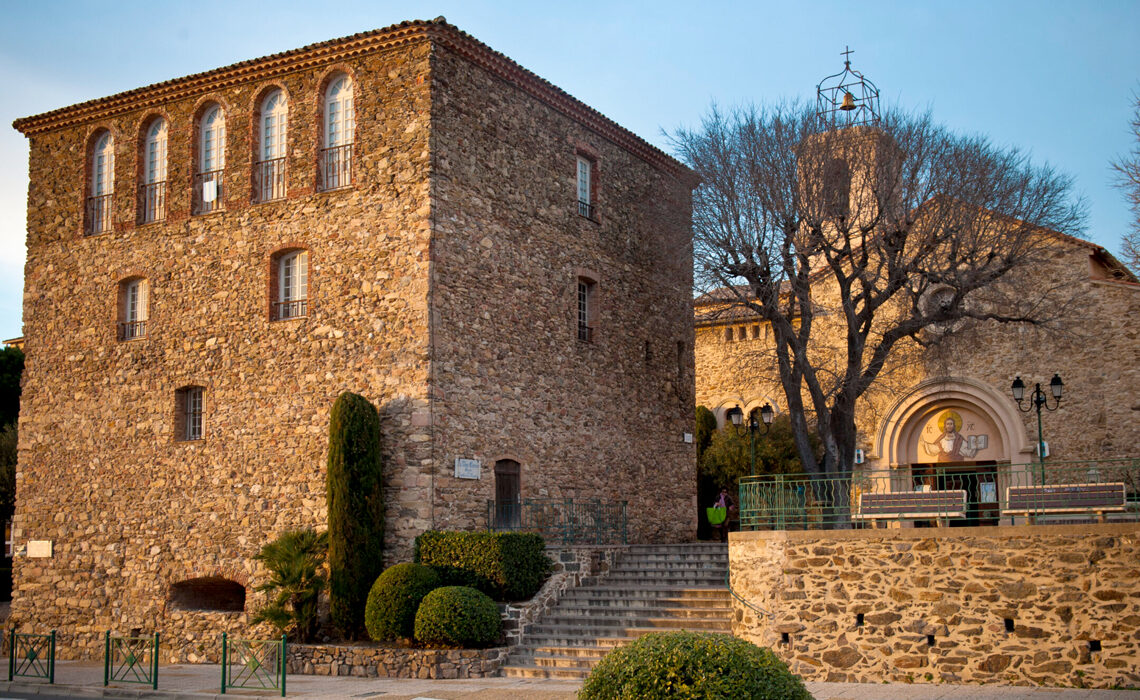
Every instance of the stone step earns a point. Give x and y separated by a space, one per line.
542 672
687 547
674 556
626 612
677 579
671 606
651 593
668 566
598 622
543 632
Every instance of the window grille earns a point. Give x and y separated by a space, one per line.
191 398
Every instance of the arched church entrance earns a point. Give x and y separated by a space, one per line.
954 434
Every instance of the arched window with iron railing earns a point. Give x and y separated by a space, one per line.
101 188
269 168
209 180
338 134
152 190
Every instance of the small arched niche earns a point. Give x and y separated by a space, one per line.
210 593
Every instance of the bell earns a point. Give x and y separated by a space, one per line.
848 102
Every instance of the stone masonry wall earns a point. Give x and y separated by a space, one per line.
602 419
128 509
1026 605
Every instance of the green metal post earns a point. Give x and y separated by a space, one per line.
107 659
51 659
284 650
752 431
223 663
154 664
11 654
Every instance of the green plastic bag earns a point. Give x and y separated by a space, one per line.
716 515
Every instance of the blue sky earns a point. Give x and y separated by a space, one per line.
1054 78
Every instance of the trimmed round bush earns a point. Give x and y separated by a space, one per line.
392 603
668 665
458 616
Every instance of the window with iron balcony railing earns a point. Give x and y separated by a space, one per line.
132 330
336 167
152 202
98 214
208 190
269 180
283 310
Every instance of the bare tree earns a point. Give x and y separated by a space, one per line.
1128 179
856 243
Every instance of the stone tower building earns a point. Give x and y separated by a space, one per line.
403 213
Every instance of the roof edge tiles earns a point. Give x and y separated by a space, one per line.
333 50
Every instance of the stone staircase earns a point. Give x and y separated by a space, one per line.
651 588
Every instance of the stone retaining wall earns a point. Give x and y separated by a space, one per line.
373 662
1026 605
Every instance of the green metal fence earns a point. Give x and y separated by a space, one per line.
131 660
951 495
562 520
253 664
31 656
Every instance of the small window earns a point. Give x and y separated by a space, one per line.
133 308
291 286
338 134
152 191
269 166
756 332
587 310
188 413
586 184
728 334
102 184
209 179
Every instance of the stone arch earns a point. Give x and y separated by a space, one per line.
895 431
208 593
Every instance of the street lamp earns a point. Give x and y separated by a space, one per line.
1036 400
766 415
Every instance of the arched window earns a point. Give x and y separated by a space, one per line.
269 173
152 195
291 286
102 185
338 134
133 308
211 161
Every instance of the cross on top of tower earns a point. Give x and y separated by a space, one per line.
847 55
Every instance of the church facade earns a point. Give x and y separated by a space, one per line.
404 213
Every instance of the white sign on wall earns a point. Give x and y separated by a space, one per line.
467 468
39 549
688 438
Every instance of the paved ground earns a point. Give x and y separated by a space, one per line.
76 679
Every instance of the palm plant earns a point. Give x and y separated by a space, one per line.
295 561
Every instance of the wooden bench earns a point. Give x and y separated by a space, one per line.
1065 498
905 505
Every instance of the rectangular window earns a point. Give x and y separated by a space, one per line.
585 187
584 311
189 413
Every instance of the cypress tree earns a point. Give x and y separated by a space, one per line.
355 510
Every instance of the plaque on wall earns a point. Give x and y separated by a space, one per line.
467 468
39 549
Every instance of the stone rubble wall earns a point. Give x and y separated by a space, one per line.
1062 589
373 662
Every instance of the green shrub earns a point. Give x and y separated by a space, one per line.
676 665
504 565
355 510
294 561
394 599
458 616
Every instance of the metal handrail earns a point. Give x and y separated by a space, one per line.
336 167
745 603
208 191
132 330
562 520
269 179
152 202
283 310
971 495
98 214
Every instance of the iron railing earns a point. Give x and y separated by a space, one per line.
130 330
932 494
336 167
31 656
98 214
290 309
152 202
562 520
208 191
130 660
269 180
253 664
587 210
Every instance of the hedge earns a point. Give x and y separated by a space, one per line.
458 616
504 565
691 665
394 599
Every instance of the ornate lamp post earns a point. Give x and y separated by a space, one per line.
1036 400
766 415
